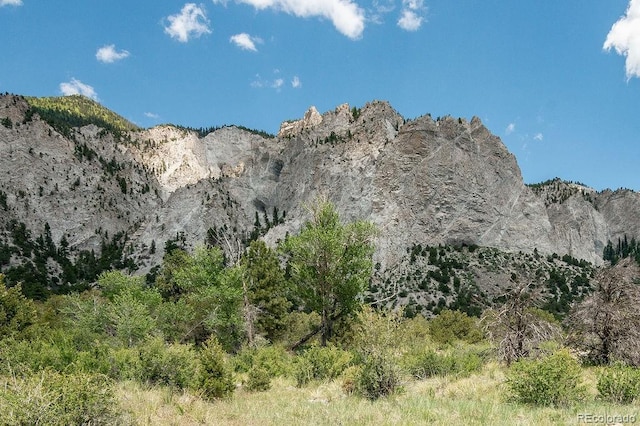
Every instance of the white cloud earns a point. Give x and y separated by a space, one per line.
538 137
411 18
109 54
379 9
410 21
260 83
296 83
151 115
76 87
190 22
245 41
346 16
510 128
10 3
624 37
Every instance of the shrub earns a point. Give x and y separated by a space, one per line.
321 363
274 359
430 363
216 379
125 364
168 364
450 326
51 398
350 379
16 311
38 354
258 379
377 378
97 359
298 324
619 384
375 332
552 380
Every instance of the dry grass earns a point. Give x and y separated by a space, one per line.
475 400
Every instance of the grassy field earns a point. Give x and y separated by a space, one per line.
480 399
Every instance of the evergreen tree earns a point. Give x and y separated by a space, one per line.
267 289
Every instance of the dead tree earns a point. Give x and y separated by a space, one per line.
518 326
605 326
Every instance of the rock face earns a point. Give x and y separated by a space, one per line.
423 181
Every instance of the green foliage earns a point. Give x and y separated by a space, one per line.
16 311
85 316
6 122
262 133
131 313
74 269
66 112
54 399
122 182
623 249
267 289
553 380
216 379
274 359
173 261
330 263
298 324
321 363
355 113
350 379
379 377
376 332
27 356
258 380
423 364
619 384
450 326
124 364
173 365
211 294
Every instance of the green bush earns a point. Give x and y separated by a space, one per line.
125 364
26 356
377 378
216 379
168 364
450 326
51 398
350 379
553 380
97 359
274 359
321 363
619 384
258 379
429 363
16 311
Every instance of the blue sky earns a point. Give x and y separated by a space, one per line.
558 81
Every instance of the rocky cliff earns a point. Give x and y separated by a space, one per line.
427 181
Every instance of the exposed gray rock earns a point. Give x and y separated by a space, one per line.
427 181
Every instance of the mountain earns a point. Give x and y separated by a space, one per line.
82 189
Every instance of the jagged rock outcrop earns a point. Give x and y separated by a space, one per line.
427 181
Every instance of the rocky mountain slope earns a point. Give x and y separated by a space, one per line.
425 181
